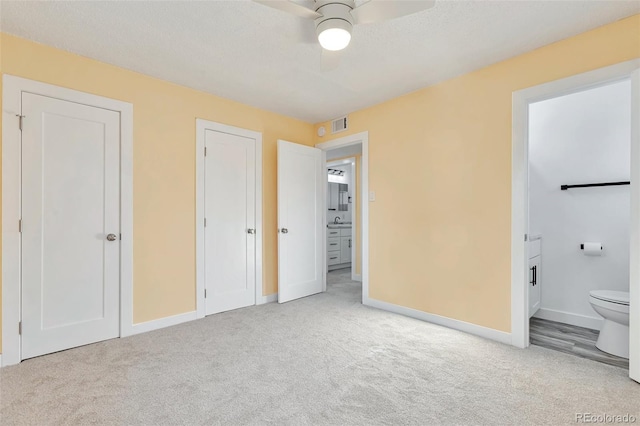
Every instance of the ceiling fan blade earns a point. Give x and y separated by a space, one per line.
290 7
330 59
383 10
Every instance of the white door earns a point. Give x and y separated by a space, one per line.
300 221
534 285
345 249
70 225
634 286
230 214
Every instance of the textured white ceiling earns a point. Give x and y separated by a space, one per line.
250 53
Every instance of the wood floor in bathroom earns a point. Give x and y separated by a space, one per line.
571 339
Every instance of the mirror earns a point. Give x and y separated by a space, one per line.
338 197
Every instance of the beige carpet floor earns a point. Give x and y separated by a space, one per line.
321 360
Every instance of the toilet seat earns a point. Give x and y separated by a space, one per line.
617 297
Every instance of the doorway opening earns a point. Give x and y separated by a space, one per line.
343 227
579 235
575 200
346 216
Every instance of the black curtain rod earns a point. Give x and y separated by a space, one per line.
589 185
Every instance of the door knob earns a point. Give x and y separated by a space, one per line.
251 231
111 237
284 230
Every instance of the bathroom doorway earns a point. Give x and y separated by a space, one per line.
343 260
575 210
579 215
346 216
342 214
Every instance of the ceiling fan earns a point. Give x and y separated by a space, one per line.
334 19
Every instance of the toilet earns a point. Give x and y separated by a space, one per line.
613 306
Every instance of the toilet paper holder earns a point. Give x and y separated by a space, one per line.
582 247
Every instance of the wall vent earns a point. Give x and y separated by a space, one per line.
339 125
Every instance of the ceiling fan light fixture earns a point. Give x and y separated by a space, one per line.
334 34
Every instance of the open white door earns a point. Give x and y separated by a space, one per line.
634 287
300 224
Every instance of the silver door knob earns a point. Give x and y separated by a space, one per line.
112 237
251 231
284 230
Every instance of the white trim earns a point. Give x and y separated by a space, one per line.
201 127
355 139
478 330
126 220
519 176
143 327
519 221
268 299
356 277
354 219
12 106
634 272
594 323
325 195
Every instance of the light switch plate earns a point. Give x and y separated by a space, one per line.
372 195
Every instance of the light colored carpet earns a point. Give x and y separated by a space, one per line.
322 360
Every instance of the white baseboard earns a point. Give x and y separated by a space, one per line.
143 327
593 323
478 330
267 299
356 277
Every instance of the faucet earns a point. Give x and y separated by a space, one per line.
337 219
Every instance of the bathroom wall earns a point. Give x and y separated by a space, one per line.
580 138
345 216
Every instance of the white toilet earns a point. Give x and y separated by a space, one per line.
613 306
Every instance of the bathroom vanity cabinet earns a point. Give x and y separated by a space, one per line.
534 276
339 242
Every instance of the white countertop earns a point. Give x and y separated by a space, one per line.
339 225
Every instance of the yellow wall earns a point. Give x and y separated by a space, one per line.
440 164
164 165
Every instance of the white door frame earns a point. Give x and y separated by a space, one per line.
520 185
11 188
355 139
355 220
201 127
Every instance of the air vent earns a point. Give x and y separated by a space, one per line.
339 125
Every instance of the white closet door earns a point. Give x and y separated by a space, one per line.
230 212
301 182
70 205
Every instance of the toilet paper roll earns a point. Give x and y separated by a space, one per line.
592 249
